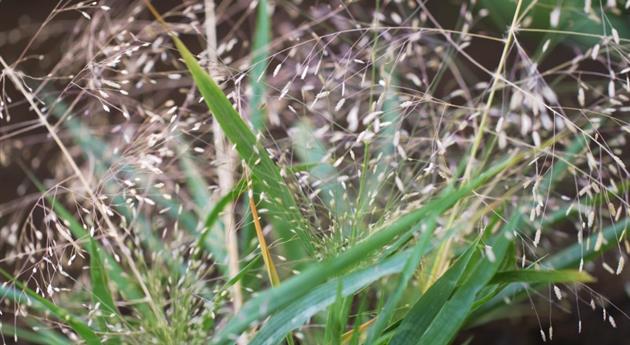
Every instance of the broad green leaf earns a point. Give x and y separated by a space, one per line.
567 258
42 336
532 276
421 314
267 302
296 314
453 314
260 55
100 285
264 171
574 25
337 316
571 256
418 251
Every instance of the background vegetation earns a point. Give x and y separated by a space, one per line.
345 172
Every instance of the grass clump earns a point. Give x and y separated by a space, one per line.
364 177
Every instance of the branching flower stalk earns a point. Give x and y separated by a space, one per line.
440 264
77 171
498 77
415 171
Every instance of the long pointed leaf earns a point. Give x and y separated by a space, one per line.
264 171
421 314
296 314
272 300
411 265
260 54
453 314
531 276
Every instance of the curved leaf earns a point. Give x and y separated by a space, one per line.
297 313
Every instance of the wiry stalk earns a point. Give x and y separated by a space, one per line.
440 264
495 82
272 272
225 160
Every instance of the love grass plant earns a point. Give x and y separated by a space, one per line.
277 172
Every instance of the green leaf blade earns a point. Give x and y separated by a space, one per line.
100 283
532 276
265 173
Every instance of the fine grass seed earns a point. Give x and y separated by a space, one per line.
273 172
